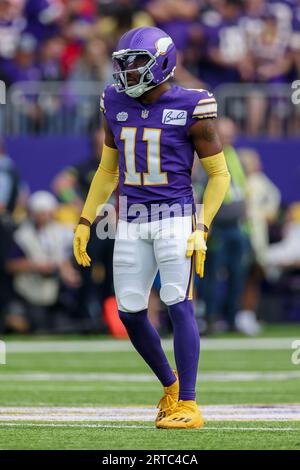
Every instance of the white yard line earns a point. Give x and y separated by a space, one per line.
99 414
210 344
216 376
133 426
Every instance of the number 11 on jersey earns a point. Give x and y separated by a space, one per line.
154 175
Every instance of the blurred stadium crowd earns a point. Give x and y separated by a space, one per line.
55 60
220 43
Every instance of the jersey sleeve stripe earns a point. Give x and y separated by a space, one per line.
207 100
196 89
205 116
102 106
205 108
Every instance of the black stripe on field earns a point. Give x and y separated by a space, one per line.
138 458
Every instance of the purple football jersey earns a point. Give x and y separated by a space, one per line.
156 153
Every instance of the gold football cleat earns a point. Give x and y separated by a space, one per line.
185 416
168 402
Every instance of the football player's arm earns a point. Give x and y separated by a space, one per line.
209 149
103 184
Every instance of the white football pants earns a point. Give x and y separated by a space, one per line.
141 249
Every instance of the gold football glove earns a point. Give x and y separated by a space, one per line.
197 244
80 241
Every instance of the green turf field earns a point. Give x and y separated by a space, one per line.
96 393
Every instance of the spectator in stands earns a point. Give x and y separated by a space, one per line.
77 28
295 38
25 69
9 189
39 264
228 245
9 183
43 17
272 61
263 201
295 50
226 45
282 266
175 17
253 17
50 66
118 16
50 57
93 66
80 14
12 25
285 254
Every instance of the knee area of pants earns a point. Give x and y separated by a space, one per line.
171 294
131 302
127 318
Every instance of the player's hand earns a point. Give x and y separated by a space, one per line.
80 241
197 244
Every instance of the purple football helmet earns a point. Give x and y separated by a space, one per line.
148 52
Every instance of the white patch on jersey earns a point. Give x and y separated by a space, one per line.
122 116
175 117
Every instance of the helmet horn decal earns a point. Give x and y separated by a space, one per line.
162 45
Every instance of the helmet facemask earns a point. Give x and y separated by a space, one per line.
133 62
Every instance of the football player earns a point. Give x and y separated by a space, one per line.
152 129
